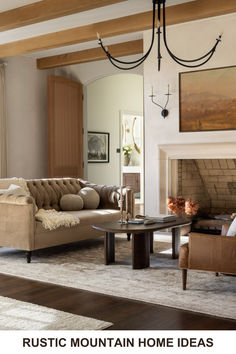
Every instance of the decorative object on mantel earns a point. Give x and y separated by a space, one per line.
127 151
190 63
164 111
207 100
179 205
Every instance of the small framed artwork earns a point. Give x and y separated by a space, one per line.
98 147
208 100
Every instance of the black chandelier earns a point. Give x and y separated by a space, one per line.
127 65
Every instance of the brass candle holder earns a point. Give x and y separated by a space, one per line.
129 197
127 218
121 202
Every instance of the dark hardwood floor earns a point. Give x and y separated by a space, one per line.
125 314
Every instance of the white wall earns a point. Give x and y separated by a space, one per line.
26 102
188 40
105 99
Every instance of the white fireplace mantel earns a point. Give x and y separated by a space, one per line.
199 151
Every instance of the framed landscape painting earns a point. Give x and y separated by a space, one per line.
98 147
208 100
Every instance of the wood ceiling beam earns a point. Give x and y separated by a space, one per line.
46 10
89 55
185 12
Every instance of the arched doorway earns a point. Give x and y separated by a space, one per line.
114 106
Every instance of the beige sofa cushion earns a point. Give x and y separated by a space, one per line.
96 216
71 202
90 197
87 218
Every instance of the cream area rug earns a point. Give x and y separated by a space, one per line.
81 266
19 315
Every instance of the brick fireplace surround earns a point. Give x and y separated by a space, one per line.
211 182
205 172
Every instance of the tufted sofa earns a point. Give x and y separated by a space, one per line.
19 228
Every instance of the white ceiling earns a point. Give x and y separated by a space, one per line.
12 4
100 14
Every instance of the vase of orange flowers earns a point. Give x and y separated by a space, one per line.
180 206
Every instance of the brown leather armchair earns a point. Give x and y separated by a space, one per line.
209 253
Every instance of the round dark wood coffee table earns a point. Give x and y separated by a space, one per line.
142 239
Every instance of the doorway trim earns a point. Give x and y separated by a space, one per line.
140 114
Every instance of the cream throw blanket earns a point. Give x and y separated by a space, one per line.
52 219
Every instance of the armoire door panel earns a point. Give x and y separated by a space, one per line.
65 127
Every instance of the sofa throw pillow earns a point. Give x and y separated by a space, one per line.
90 197
232 229
71 202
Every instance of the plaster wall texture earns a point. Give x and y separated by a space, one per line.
187 40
